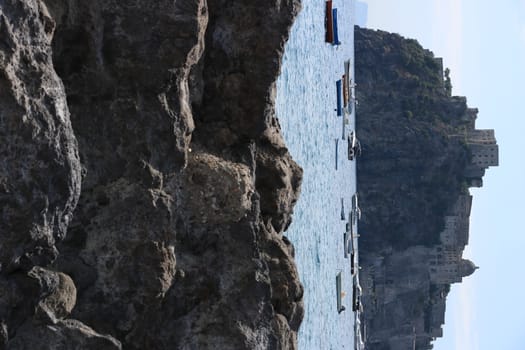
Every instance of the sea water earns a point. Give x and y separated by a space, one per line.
305 106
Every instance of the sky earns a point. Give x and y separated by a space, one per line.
483 44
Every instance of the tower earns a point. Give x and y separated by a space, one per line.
484 153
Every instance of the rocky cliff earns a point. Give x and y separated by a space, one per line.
421 153
144 183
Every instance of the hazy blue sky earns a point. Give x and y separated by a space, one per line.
483 43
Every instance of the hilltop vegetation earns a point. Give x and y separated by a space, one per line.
412 168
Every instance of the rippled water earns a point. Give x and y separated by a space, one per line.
306 99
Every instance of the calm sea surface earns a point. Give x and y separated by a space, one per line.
306 99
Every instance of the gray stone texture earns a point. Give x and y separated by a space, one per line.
144 183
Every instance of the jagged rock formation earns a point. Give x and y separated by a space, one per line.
421 153
158 119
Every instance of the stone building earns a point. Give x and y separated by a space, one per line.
483 149
446 264
452 270
436 318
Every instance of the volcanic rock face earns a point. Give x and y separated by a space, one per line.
39 163
163 113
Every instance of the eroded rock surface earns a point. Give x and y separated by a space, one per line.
164 111
39 163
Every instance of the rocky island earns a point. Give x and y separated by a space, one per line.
421 154
144 183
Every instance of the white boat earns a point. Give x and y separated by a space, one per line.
350 145
338 286
354 256
359 344
355 214
354 146
357 291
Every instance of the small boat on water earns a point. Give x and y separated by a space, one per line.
355 214
336 34
338 286
343 209
346 242
344 120
336 152
329 23
354 146
345 91
346 83
359 344
357 292
339 102
352 246
353 265
349 246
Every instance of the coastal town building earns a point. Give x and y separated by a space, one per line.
446 263
390 280
483 149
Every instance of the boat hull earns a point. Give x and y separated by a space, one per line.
339 98
338 289
329 23
336 33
